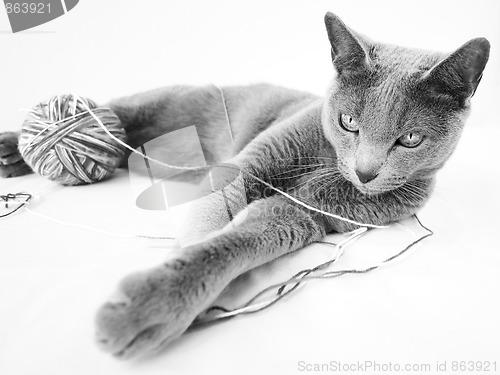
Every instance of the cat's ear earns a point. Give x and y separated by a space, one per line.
348 50
460 73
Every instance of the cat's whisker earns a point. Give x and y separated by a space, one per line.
308 181
399 198
296 169
418 188
329 179
308 157
321 187
318 173
317 185
287 169
292 177
443 197
413 194
311 181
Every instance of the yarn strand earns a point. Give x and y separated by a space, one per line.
22 200
302 277
93 229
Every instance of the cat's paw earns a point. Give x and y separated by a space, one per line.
11 161
148 310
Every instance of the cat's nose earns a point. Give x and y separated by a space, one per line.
365 177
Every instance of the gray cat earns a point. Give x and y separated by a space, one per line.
368 151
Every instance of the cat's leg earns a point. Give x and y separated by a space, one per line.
152 308
11 161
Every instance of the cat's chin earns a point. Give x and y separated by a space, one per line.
370 192
373 190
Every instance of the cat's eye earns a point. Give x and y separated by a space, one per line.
348 123
411 140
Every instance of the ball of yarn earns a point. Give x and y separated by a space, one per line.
62 141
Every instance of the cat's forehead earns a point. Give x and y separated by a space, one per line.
388 96
392 71
390 62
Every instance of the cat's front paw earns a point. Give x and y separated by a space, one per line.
149 310
11 161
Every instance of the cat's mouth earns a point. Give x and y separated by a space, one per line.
402 187
370 190
379 185
375 187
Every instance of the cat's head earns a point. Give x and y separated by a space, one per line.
395 114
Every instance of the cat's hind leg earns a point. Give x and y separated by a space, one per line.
11 161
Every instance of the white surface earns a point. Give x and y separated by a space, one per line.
439 303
